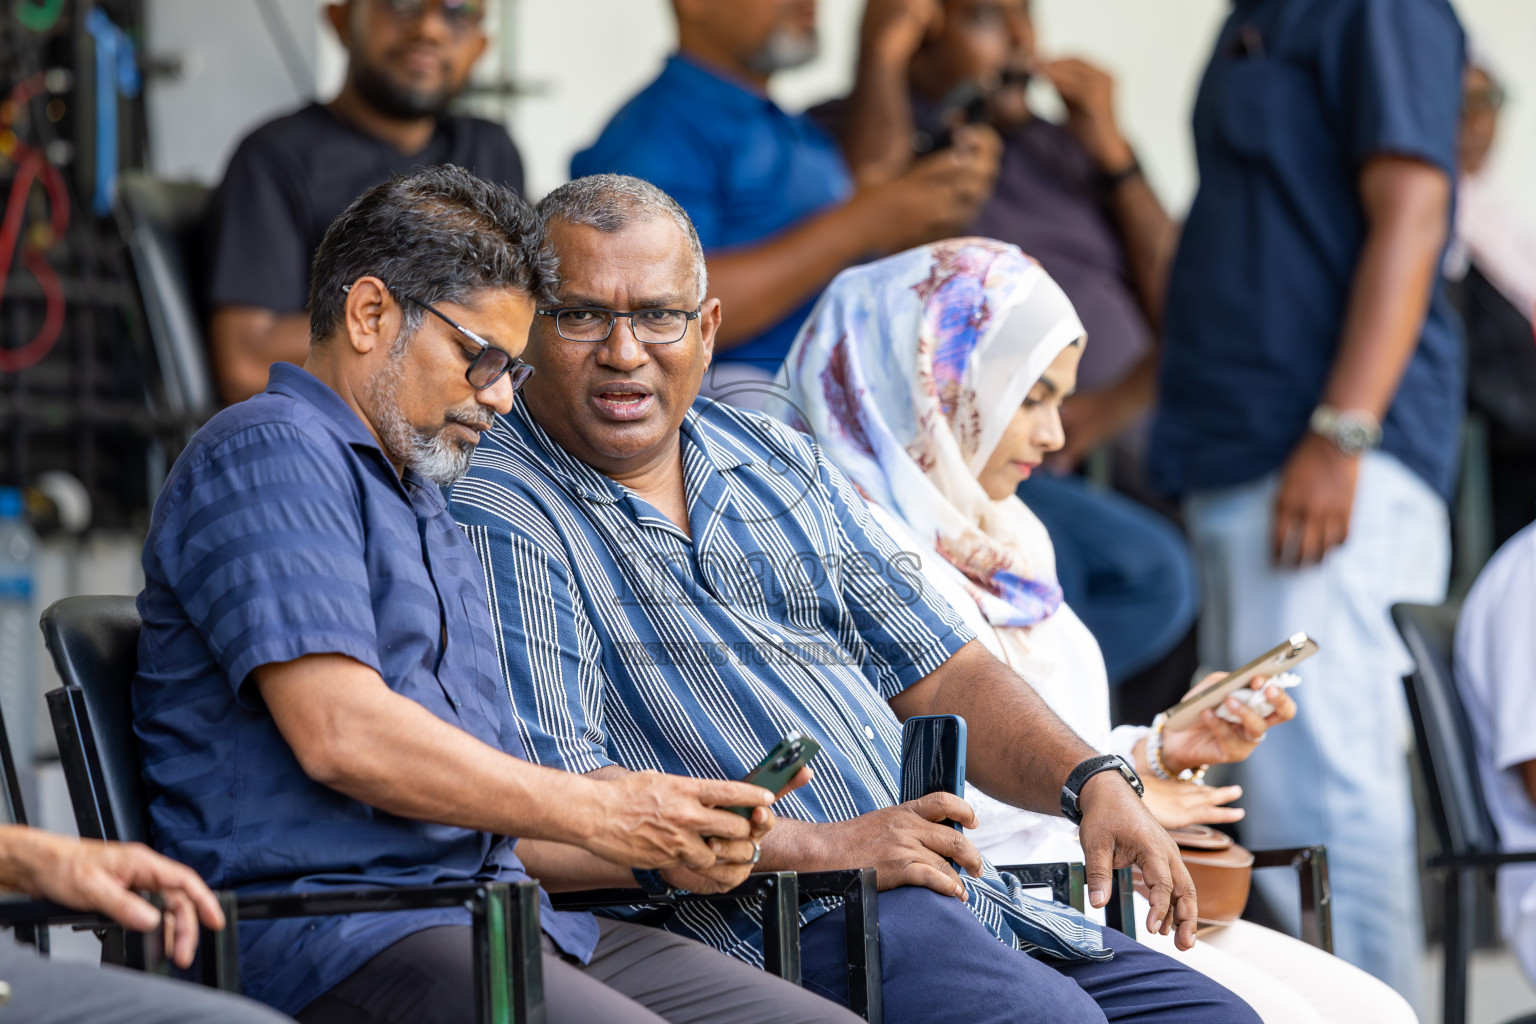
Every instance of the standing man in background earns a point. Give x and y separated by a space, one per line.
406 59
779 205
1311 401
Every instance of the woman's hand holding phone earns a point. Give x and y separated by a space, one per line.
1215 741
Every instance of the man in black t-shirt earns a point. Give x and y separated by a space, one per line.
291 177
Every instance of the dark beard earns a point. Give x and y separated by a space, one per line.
388 98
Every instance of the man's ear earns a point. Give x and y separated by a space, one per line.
709 325
371 316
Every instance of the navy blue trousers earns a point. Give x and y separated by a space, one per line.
1126 570
938 963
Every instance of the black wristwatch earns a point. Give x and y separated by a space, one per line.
1072 791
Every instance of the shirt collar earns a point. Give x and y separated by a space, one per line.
298 383
722 451
705 81
301 385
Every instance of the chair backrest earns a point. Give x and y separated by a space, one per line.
95 646
16 806
163 223
1447 745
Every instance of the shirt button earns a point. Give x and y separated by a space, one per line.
869 733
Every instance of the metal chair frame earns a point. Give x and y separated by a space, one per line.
505 916
1469 843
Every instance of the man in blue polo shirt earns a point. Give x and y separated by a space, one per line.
1311 399
319 702
780 205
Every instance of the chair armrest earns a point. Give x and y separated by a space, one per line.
1311 866
1064 878
1481 861
22 911
507 944
31 919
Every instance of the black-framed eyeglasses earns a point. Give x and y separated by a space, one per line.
488 365
461 16
649 326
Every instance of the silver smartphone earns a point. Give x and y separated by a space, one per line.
1186 712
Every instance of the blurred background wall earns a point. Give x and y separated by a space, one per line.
580 59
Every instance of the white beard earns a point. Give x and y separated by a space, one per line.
436 456
783 50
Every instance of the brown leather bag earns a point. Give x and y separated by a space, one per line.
1221 870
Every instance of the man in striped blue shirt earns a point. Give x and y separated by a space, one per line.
676 585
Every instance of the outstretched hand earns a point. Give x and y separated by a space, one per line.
1118 832
106 878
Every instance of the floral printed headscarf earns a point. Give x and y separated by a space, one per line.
907 373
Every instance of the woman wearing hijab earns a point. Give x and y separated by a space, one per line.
934 378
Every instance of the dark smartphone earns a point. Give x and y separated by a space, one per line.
966 103
933 757
780 764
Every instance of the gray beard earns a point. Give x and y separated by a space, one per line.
434 455
784 50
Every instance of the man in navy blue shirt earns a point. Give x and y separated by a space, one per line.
319 702
1311 399
780 206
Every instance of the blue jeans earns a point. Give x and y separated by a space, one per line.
1338 774
939 963
1125 570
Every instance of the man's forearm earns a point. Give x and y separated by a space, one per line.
561 867
1019 750
19 849
760 285
1407 204
389 752
1150 237
877 127
245 341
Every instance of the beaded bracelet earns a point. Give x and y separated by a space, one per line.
1160 768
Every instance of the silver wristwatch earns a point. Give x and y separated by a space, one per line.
1352 432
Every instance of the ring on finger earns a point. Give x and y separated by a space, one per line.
757 852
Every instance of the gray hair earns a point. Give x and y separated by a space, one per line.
609 202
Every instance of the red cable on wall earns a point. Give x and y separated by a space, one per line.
32 166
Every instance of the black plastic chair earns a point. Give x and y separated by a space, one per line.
1469 842
162 222
12 913
94 643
